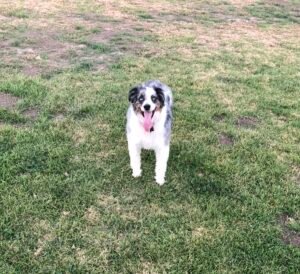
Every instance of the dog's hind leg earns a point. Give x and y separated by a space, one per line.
135 159
162 155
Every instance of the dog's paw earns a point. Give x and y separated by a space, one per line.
160 180
136 173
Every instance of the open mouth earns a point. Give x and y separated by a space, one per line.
143 113
147 121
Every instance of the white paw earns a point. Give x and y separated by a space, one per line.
160 180
136 173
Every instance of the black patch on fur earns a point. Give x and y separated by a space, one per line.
168 122
168 125
133 95
168 99
160 95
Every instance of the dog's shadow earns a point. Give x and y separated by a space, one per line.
197 173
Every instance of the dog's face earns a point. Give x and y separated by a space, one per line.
146 99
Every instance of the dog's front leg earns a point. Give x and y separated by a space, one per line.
135 159
162 155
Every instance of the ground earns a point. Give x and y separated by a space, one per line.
232 196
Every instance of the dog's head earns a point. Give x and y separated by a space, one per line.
146 99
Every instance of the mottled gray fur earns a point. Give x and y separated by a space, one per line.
168 104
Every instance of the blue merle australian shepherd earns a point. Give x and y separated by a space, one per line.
149 120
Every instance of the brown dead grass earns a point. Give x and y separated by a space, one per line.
43 228
224 35
147 267
112 204
92 215
200 232
226 100
81 256
296 175
42 51
79 136
242 3
42 243
41 48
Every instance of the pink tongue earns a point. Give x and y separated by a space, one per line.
147 121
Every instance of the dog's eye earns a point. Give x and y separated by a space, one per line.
141 99
153 98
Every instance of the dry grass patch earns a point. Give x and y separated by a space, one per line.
200 232
43 228
146 267
80 136
155 210
92 215
42 243
40 45
227 100
107 201
296 174
242 3
113 205
81 256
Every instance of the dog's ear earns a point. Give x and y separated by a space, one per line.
133 94
160 95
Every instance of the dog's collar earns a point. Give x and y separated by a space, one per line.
151 129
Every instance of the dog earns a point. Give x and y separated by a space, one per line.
149 122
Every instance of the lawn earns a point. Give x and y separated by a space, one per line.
231 201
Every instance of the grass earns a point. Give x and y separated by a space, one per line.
272 11
231 201
19 13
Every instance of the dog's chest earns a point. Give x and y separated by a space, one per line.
149 140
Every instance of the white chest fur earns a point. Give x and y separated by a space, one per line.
147 140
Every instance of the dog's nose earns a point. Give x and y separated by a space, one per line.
147 107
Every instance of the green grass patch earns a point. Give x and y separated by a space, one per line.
275 12
19 13
144 15
11 117
68 202
97 47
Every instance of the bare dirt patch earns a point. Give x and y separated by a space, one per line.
39 51
225 139
31 113
46 49
289 236
8 101
247 122
50 41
